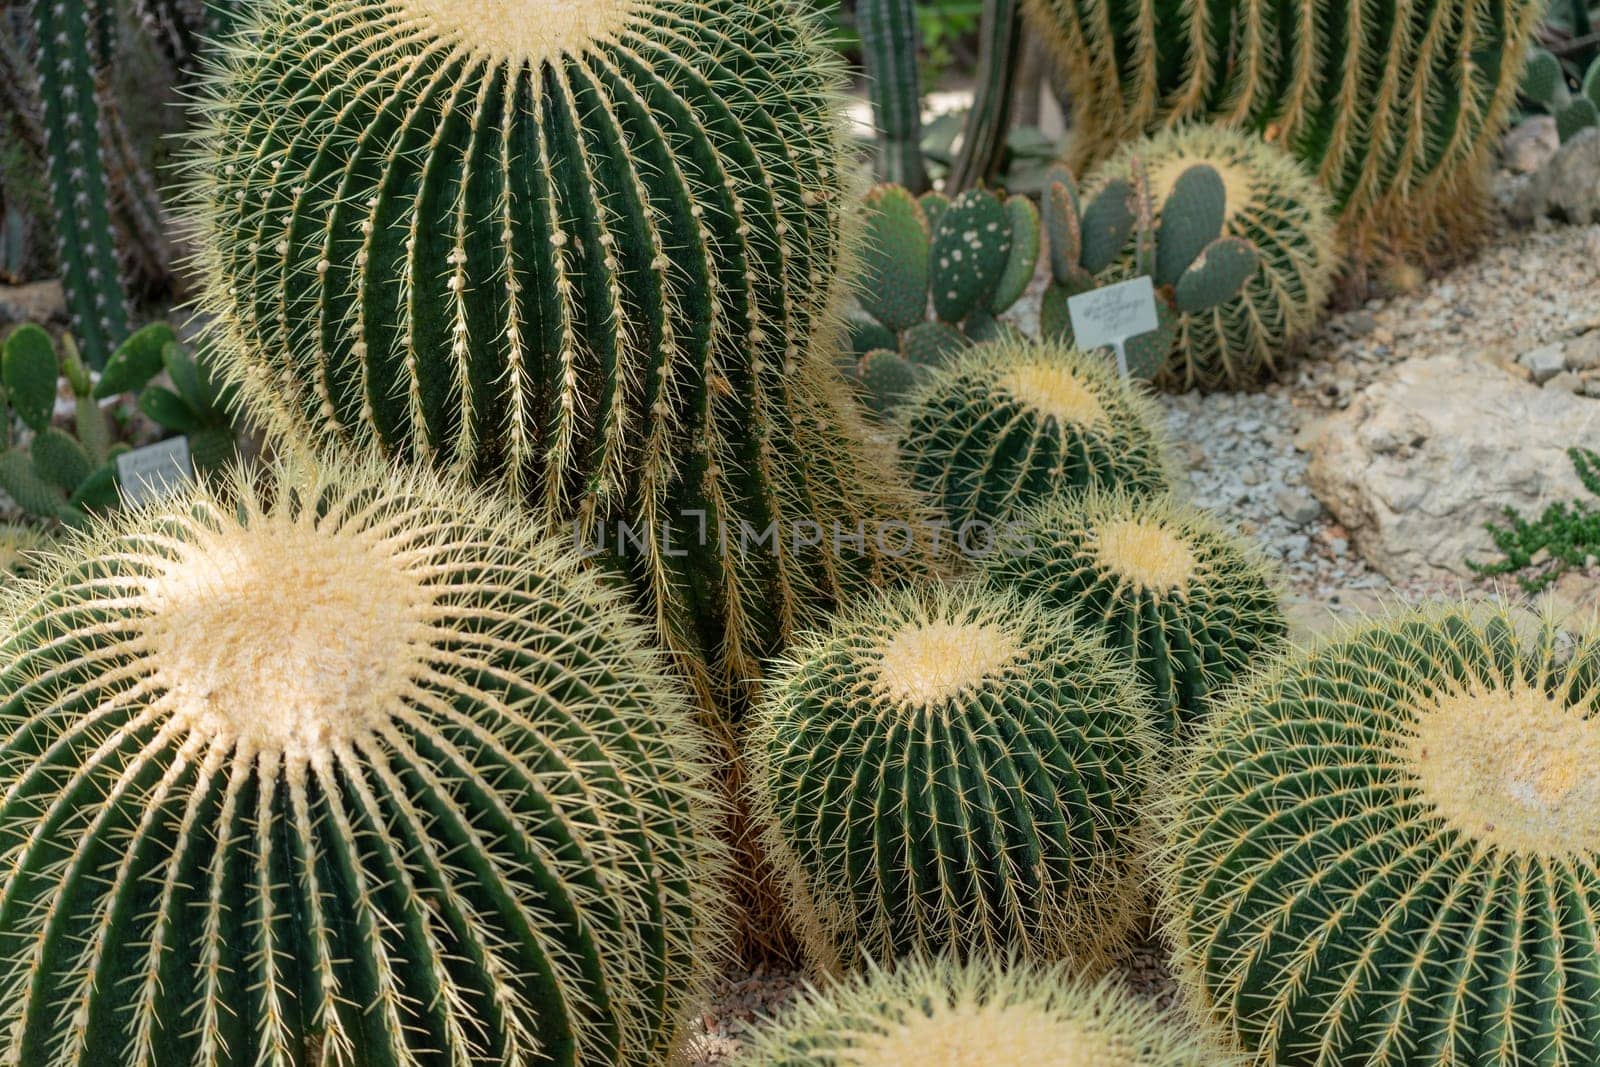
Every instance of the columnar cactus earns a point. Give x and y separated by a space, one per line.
889 42
580 250
942 1014
1384 850
1270 201
953 768
357 773
1011 423
1173 592
1396 107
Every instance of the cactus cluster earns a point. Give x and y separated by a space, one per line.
198 405
1396 107
953 768
1544 82
1181 246
1010 424
944 1014
357 771
1384 850
969 259
1269 202
1192 606
585 252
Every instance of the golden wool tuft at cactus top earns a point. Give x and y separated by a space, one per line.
507 31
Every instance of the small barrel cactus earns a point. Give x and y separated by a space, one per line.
943 1014
953 768
357 773
1270 201
1171 590
1384 850
584 251
1011 423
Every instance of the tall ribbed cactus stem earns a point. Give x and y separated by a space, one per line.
69 85
889 40
364 773
983 138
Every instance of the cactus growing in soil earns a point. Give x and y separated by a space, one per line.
1011 423
355 771
953 768
943 1014
1269 201
585 251
1190 605
1384 850
1397 108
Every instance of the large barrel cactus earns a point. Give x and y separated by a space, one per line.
1008 424
940 1014
1397 106
356 773
1171 590
954 768
585 251
1268 200
1385 850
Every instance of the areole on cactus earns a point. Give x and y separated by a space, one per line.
583 251
350 770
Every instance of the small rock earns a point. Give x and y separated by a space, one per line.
1302 509
1530 145
1360 323
40 302
1567 382
1544 362
1570 184
1583 353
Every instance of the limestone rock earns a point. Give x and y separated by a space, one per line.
1436 448
40 302
1530 145
1568 187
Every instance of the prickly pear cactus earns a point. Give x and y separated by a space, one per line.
944 1014
1545 83
953 769
584 251
361 773
1250 312
1012 423
1190 605
1383 850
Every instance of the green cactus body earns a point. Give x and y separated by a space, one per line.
885 378
1190 605
971 245
1384 849
584 251
68 72
889 42
895 259
363 775
1009 424
943 1014
1023 257
1246 330
931 344
953 769
1396 108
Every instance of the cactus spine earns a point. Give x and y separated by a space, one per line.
1010 424
1397 108
583 251
1272 203
362 774
889 40
1384 850
953 768
1173 592
943 1014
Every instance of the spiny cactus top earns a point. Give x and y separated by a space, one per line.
359 774
584 250
982 1014
1010 423
953 767
1192 606
1387 850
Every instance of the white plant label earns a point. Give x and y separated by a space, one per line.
155 471
1108 316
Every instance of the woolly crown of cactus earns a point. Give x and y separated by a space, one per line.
1385 849
943 1014
349 771
953 768
584 251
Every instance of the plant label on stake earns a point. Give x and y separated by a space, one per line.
154 471
1112 314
